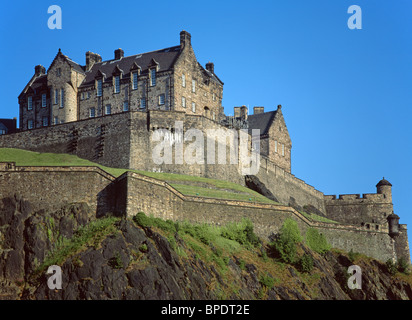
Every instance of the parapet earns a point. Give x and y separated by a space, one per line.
355 197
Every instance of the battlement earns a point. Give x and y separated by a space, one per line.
374 197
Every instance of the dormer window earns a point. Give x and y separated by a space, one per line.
43 100
116 84
29 103
99 87
152 77
134 80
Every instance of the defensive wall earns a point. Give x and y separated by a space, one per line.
50 188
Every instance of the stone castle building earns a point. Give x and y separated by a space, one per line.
108 111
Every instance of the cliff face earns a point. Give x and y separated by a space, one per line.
117 259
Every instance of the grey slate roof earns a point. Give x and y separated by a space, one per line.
165 58
261 121
75 65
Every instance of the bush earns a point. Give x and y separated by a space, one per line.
242 233
116 262
305 263
267 281
402 265
317 241
391 267
286 241
353 255
142 220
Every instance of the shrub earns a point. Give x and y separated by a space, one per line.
242 233
142 220
391 267
267 281
286 241
402 265
317 241
353 255
143 247
116 262
305 263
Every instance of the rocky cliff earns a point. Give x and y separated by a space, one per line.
117 258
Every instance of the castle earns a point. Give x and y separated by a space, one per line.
109 111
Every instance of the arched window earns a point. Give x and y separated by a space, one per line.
207 112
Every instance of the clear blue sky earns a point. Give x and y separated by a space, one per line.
346 94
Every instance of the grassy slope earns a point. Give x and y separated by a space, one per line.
218 188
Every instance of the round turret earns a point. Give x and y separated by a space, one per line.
385 187
393 221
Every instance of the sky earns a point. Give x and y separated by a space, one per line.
346 94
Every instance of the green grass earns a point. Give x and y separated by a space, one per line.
218 188
315 217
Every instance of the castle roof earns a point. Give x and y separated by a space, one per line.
261 121
383 182
165 59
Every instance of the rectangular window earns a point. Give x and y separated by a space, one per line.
88 95
117 84
99 88
193 86
92 112
134 84
126 106
276 146
162 99
143 103
45 121
183 102
59 72
30 124
43 100
214 116
283 149
30 103
2 131
193 107
82 96
61 98
56 96
183 81
56 120
152 77
108 109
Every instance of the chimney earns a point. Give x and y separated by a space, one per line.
243 112
210 66
118 54
91 59
236 112
39 70
184 39
258 110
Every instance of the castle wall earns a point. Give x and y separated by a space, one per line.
159 199
369 211
50 188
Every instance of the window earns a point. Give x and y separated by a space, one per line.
142 103
276 146
162 99
61 98
153 77
43 100
193 107
2 131
126 106
283 149
193 86
59 72
183 102
92 112
88 95
183 81
82 96
117 84
134 77
214 97
30 103
99 87
214 116
56 96
45 122
56 120
108 109
30 124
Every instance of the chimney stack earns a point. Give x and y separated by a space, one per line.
210 66
91 59
39 70
185 39
243 112
258 110
118 54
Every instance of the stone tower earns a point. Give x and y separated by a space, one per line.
385 187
